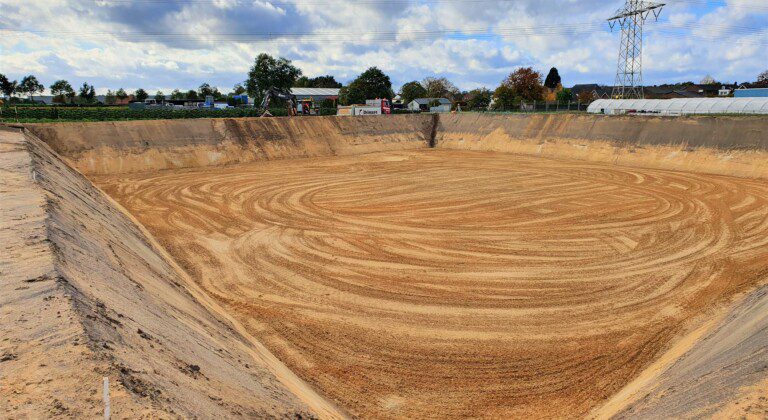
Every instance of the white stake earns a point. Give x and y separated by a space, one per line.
106 398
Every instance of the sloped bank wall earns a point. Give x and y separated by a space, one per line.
713 144
717 144
137 146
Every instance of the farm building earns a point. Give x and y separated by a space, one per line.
423 104
680 106
751 93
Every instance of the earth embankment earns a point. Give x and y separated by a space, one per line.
138 146
85 294
725 145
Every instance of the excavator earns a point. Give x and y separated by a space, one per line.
290 102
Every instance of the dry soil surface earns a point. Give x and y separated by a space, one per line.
445 283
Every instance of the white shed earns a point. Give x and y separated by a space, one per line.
686 106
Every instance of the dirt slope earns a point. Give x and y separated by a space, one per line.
441 283
84 294
137 146
725 145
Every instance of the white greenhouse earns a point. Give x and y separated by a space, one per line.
688 106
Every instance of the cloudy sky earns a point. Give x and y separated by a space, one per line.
167 44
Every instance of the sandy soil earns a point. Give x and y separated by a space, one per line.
86 294
447 283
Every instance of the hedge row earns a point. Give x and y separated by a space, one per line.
106 114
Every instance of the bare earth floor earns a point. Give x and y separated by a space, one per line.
441 283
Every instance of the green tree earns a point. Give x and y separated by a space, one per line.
553 79
267 73
87 93
177 95
140 95
61 91
121 94
159 96
440 87
479 98
30 86
371 84
7 86
326 81
206 90
564 96
302 82
191 94
238 89
505 97
526 84
110 98
412 90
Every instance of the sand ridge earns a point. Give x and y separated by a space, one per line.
439 283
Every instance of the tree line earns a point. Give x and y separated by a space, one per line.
523 84
64 93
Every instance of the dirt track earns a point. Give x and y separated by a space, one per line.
444 283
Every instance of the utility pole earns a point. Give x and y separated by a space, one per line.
631 18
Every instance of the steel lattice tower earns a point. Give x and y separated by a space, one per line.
631 18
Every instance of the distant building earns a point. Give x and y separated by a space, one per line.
751 93
423 104
598 91
315 95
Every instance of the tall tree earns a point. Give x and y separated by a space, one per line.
121 94
553 79
140 95
412 90
31 86
564 96
478 98
302 82
204 90
238 89
371 84
159 96
505 97
267 73
440 87
191 94
326 81
110 98
177 95
526 83
87 93
61 91
7 86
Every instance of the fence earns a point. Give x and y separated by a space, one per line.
111 114
13 113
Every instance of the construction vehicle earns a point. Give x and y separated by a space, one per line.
274 93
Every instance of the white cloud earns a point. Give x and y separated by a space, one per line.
473 43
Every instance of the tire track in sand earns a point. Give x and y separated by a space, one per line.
444 283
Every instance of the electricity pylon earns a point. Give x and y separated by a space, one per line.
631 18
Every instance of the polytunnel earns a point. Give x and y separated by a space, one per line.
687 106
